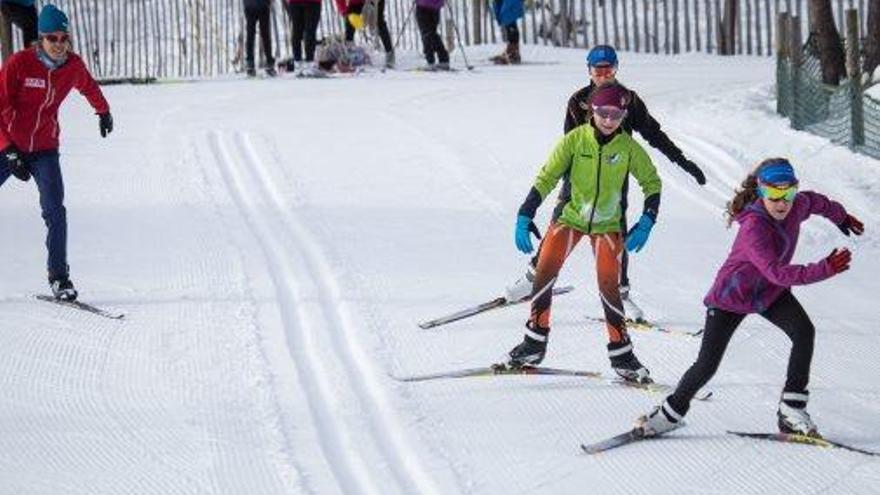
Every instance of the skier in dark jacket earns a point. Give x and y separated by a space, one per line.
257 11
23 14
33 84
758 277
602 62
304 18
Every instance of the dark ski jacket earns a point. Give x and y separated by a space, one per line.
257 4
637 119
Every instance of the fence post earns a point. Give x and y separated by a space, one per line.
5 37
854 72
783 72
796 57
477 18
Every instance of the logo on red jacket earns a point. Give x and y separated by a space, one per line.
34 82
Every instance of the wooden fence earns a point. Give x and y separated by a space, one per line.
203 38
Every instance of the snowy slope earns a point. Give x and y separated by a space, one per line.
274 244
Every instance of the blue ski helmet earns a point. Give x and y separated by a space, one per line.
602 55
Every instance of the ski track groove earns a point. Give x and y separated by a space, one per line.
402 459
294 271
348 470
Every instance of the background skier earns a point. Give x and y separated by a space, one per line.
33 84
602 63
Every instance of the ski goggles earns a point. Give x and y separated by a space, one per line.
603 71
776 193
56 38
610 113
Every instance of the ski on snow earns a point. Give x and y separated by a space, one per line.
498 302
636 435
649 326
627 438
503 369
803 440
82 307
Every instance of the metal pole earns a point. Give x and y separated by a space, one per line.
458 36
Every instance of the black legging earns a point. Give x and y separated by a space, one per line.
380 23
511 33
23 17
785 312
432 43
261 15
305 18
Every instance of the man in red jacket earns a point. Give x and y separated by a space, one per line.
33 83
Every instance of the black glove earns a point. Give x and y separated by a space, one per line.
692 168
105 123
17 166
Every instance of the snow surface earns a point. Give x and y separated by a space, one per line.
275 242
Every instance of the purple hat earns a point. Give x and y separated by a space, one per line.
610 96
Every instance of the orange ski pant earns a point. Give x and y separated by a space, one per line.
558 243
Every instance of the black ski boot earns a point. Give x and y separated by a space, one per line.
532 349
625 363
62 288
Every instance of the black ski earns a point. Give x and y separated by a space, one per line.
498 369
627 438
803 440
643 325
498 302
82 306
503 369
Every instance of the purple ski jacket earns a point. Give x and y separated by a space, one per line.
431 4
758 269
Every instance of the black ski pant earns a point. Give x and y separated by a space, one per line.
305 18
23 17
511 33
432 44
384 35
252 17
785 312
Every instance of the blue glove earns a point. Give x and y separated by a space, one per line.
525 225
638 235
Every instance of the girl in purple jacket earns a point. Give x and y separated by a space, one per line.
757 278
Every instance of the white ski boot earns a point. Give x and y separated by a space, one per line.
522 288
661 420
630 308
796 420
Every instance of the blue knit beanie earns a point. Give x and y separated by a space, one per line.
777 172
52 20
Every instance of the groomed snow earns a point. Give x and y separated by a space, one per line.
274 243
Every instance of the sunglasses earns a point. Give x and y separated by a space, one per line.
56 38
603 71
774 193
609 113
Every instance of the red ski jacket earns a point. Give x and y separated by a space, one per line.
30 95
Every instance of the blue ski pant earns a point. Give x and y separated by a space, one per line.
46 172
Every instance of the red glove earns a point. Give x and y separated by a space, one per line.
839 260
851 224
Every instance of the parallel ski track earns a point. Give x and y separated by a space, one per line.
310 301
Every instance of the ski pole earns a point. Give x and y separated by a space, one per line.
458 37
403 28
